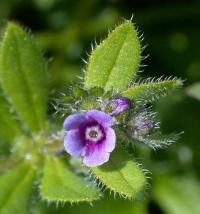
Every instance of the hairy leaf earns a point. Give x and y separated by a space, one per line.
9 127
16 187
158 140
61 184
115 62
121 174
152 91
107 205
177 195
23 77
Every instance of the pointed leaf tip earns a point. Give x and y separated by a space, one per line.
115 62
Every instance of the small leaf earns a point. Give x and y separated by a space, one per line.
152 91
194 91
121 174
9 127
22 73
177 195
16 187
60 184
158 140
115 62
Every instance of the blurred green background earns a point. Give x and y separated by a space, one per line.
65 29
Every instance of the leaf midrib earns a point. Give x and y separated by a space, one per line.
23 76
117 56
68 187
126 181
59 175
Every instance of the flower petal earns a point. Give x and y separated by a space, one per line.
73 143
109 142
101 117
95 156
74 121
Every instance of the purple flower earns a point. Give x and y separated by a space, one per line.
90 136
119 105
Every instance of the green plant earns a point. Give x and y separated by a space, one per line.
35 150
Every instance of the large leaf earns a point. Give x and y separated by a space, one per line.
121 174
115 62
9 127
177 195
151 91
23 76
16 187
61 184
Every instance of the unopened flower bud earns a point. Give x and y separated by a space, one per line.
118 106
142 125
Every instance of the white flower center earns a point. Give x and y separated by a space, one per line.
93 134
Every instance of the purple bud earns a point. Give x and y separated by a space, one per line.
90 136
142 125
119 106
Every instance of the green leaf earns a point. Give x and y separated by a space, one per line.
115 62
194 91
177 195
61 184
121 174
104 206
16 187
9 127
23 76
151 91
108 206
158 140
